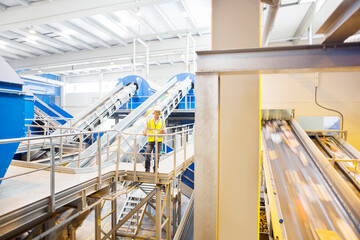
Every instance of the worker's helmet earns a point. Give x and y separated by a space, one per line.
157 109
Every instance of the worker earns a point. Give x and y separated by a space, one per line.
154 125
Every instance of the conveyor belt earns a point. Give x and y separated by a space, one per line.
307 204
167 99
334 146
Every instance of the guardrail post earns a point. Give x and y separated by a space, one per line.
52 177
158 215
134 158
107 147
184 143
80 148
28 155
98 156
174 150
61 150
156 159
118 157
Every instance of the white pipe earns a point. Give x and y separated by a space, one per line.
188 37
147 55
269 21
310 35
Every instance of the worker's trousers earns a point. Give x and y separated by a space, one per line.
149 149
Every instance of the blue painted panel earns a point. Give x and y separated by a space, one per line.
143 89
60 110
187 182
49 111
192 167
189 173
13 116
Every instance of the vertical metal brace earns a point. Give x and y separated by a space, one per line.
80 149
134 158
168 214
52 177
156 160
98 156
107 147
158 213
114 210
188 37
118 157
184 143
97 222
147 55
28 147
61 150
174 149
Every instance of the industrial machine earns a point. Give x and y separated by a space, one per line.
305 197
12 105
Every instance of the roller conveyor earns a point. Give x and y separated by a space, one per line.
307 200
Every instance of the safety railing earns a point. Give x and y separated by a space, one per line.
177 145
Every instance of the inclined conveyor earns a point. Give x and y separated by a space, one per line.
308 199
167 99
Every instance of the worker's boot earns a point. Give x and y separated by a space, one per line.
147 170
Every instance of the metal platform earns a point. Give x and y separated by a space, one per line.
28 199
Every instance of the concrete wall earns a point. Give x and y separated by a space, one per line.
337 90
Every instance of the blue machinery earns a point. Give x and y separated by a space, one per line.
12 105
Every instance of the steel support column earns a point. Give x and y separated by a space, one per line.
97 222
114 210
168 214
158 213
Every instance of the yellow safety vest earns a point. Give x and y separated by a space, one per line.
151 127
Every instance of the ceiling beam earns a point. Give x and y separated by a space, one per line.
44 12
23 2
343 22
21 34
117 22
10 49
101 54
10 55
51 40
3 7
166 19
23 46
145 23
104 29
84 44
188 12
86 34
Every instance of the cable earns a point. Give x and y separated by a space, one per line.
329 109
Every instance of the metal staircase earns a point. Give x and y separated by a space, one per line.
134 198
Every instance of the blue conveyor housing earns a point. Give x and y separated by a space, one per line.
12 109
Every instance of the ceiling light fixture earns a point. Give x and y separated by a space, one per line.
32 31
3 44
138 13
